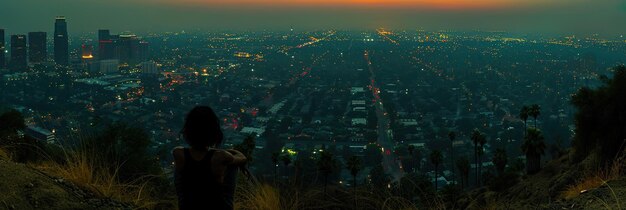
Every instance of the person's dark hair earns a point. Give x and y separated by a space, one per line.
202 128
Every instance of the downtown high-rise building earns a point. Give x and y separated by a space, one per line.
61 42
37 48
18 52
127 48
106 46
2 49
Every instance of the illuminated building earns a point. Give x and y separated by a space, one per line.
109 66
37 48
127 48
40 134
243 55
2 49
61 45
18 52
149 67
87 52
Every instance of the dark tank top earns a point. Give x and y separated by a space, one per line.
199 187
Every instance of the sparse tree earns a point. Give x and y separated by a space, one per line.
534 147
478 139
463 165
534 111
326 165
452 137
354 166
435 159
500 160
247 147
523 114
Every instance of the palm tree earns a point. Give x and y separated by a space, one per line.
534 147
534 112
326 165
523 114
435 159
354 165
452 136
481 152
464 168
477 138
499 160
410 148
275 157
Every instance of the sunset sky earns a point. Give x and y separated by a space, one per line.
550 16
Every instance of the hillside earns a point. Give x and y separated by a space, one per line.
559 185
26 188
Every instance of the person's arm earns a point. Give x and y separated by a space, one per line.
222 159
238 157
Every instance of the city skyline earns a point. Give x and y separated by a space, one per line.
603 17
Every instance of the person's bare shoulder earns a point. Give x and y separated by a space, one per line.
178 152
222 157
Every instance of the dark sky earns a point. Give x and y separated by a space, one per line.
605 17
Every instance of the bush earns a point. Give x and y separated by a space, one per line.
600 118
125 146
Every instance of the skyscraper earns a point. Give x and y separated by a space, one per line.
143 52
37 51
61 48
2 49
104 34
106 46
127 48
18 52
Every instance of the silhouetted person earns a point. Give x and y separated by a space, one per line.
204 175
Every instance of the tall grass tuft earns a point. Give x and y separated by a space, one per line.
596 179
4 155
88 171
258 197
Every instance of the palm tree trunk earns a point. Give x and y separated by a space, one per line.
325 183
480 169
354 191
435 178
525 128
452 162
476 162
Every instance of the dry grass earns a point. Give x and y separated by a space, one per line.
260 197
88 172
596 179
267 197
587 183
4 155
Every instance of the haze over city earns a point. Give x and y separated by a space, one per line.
605 17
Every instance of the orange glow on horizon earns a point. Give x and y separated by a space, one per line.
416 4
